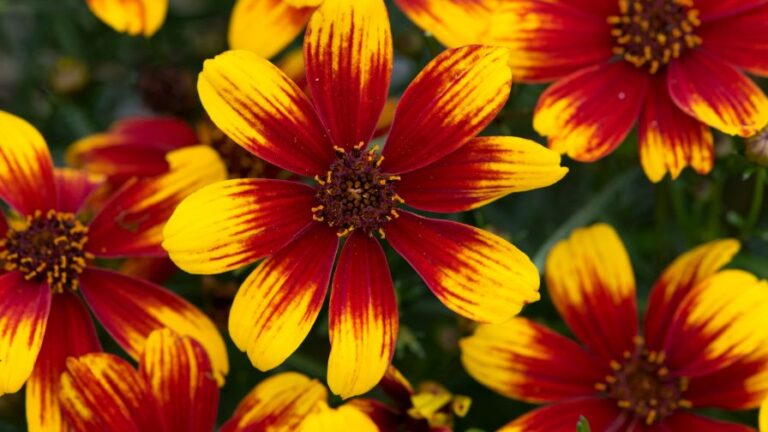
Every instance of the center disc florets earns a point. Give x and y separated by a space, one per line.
650 33
49 247
354 194
643 386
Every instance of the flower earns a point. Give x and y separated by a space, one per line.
431 160
701 345
48 252
674 66
764 416
134 17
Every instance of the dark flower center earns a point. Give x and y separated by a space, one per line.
642 385
50 248
239 162
355 194
650 33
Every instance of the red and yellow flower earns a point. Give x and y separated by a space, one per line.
703 344
676 67
431 160
47 253
134 17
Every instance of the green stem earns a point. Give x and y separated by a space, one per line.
757 203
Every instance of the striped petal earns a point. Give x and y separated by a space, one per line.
26 169
482 171
346 417
134 17
590 272
180 376
716 10
230 224
741 39
131 309
741 385
73 187
132 222
70 332
589 113
683 421
280 402
716 93
524 360
278 303
453 23
102 392
452 100
670 139
278 23
24 309
678 280
348 52
473 272
258 107
563 417
363 318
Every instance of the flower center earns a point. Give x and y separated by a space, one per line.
650 33
355 194
239 162
49 247
643 386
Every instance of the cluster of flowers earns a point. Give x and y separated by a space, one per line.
287 174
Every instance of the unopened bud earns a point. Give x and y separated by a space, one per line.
757 148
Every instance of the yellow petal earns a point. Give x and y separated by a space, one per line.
134 17
267 26
343 418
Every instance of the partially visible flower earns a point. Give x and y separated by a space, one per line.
134 17
168 90
704 344
674 67
47 251
764 416
432 159
757 148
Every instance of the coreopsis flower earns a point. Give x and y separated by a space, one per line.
134 17
676 67
430 408
701 347
47 252
431 160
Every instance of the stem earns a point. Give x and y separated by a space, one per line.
757 203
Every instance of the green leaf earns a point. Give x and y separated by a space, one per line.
582 425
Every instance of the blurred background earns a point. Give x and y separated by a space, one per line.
70 75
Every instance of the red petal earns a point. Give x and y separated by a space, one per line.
742 385
452 100
363 318
397 388
73 187
385 417
740 39
26 169
670 139
714 10
180 376
473 272
130 309
717 94
70 333
683 421
589 113
563 417
348 52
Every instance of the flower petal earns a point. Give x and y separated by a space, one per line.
70 332
683 421
764 416
24 308
280 402
179 374
589 113
73 187
717 324
670 139
679 279
716 10
452 100
363 318
563 417
589 272
741 40
277 21
348 52
524 360
132 222
134 17
453 23
131 309
483 170
26 168
278 303
258 107
473 272
741 385
717 94
233 223
346 417
100 391
385 417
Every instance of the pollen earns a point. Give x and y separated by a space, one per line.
48 247
644 386
354 194
650 33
